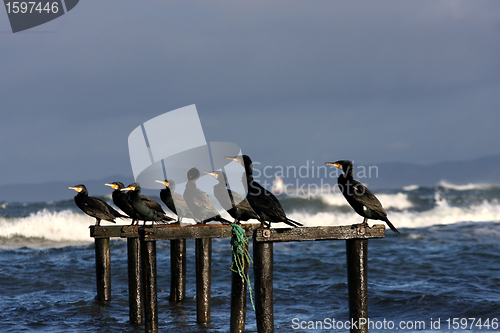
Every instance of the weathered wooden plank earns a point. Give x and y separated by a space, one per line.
168 232
195 231
121 231
319 233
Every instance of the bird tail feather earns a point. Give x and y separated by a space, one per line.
293 223
393 228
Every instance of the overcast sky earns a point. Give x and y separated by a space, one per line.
288 81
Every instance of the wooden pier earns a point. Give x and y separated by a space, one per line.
141 247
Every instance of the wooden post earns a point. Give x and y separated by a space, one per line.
148 258
238 300
203 249
103 269
177 270
134 280
263 275
356 250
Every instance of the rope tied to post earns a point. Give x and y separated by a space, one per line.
241 257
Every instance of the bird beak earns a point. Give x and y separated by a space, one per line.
235 158
212 174
131 188
162 182
78 189
334 164
114 186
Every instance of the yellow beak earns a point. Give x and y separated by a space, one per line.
235 158
334 164
113 186
212 174
131 188
162 182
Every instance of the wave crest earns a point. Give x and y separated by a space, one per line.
440 214
59 226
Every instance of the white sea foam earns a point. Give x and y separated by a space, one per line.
442 213
396 201
61 226
411 187
465 187
73 227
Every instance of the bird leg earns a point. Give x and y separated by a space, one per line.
365 222
362 224
97 222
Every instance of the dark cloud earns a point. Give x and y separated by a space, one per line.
286 80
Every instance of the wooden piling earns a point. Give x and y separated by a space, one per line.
238 299
103 269
134 281
356 237
263 285
148 262
203 249
356 250
177 270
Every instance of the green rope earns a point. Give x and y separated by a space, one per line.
241 257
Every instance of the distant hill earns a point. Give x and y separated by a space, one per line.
390 175
481 170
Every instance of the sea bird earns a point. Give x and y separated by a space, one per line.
94 207
263 202
174 201
199 203
361 199
146 209
236 205
121 200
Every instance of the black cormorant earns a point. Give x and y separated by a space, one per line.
361 199
174 201
94 207
120 199
148 209
263 202
199 203
237 206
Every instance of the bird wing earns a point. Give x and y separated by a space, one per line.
240 202
364 196
223 195
265 204
150 203
99 209
120 199
200 204
181 206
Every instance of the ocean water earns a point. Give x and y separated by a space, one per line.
442 274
